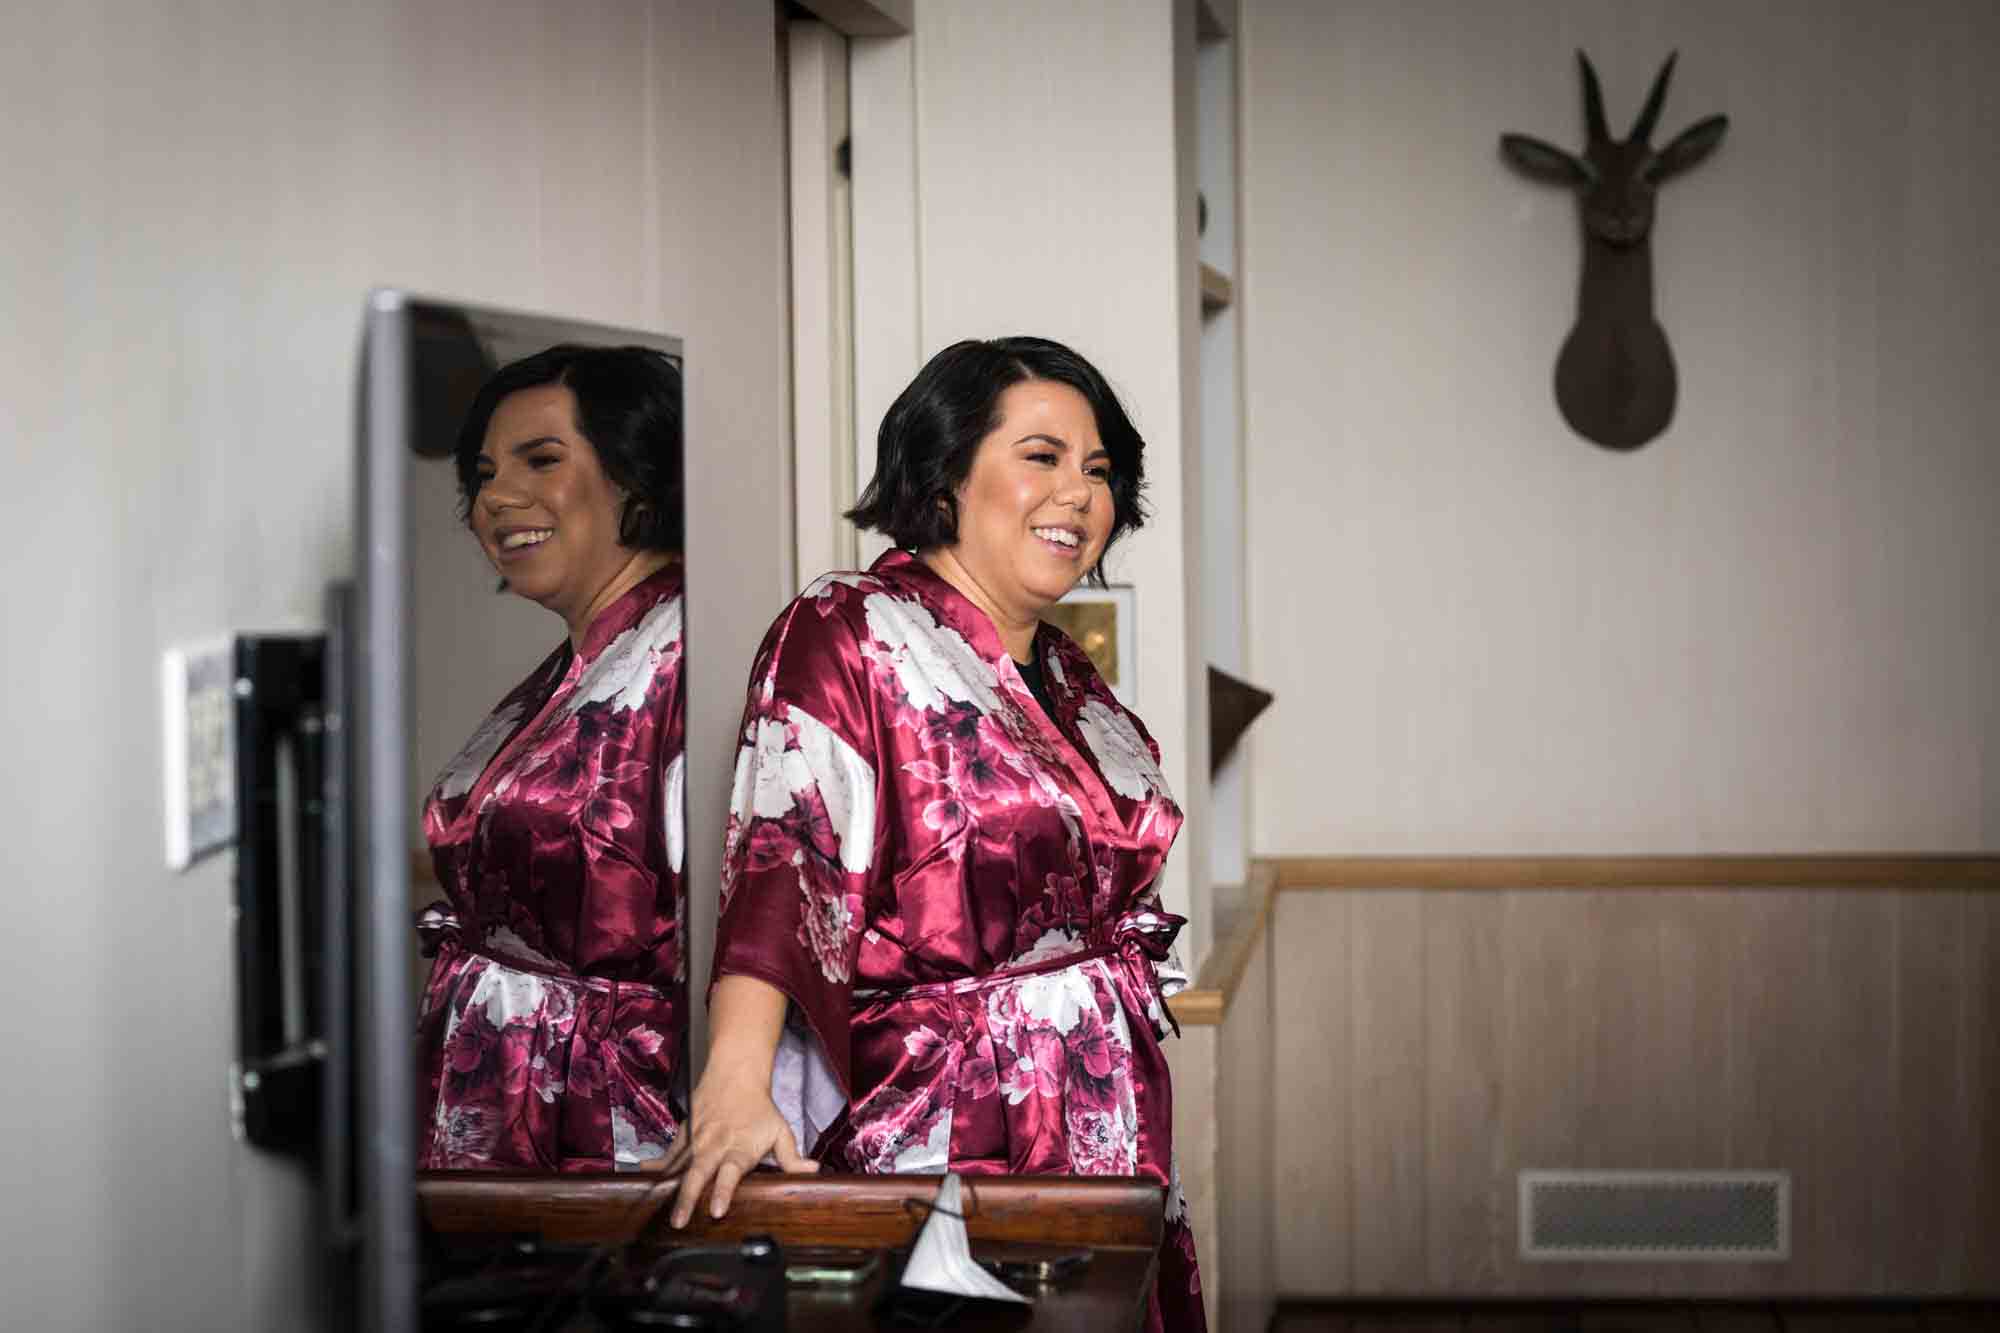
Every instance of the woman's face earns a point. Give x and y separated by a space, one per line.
1035 511
545 514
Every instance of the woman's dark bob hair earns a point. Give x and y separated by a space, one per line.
628 405
930 433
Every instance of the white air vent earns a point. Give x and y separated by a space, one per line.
1733 1216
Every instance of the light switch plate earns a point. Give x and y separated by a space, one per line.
198 704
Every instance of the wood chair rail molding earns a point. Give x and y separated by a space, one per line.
1923 871
1206 1003
821 1210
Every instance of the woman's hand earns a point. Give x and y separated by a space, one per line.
733 1122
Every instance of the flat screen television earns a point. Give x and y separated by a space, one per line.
422 360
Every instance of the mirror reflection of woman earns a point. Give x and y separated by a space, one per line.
553 1028
941 945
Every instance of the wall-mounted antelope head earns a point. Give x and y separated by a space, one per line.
1615 377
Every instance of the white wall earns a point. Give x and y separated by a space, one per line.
198 200
1221 484
1056 198
1774 628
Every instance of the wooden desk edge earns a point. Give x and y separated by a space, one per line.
822 1210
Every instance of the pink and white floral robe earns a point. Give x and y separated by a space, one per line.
957 893
553 1032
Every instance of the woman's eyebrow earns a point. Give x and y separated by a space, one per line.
486 455
1098 453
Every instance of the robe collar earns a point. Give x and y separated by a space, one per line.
629 609
954 608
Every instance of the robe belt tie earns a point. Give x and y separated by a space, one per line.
436 927
439 931
1139 940
1144 939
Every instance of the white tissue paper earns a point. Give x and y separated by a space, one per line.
941 1260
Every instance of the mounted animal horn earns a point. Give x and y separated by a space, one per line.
1649 115
1615 379
1593 104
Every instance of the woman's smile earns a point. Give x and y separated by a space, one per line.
1065 543
514 544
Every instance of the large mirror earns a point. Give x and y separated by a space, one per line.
510 754
543 521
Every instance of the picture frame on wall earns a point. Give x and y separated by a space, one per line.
1104 622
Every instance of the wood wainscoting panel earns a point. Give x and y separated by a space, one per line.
1845 1231
1310 939
1245 1147
1385 1091
1771 1059
1926 980
1470 1207
1981 1085
1430 1044
1552 961
1695 962
1191 1060
1945 1031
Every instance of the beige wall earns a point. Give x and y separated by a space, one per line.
198 200
1775 627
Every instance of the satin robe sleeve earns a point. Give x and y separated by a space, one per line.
803 836
1171 972
671 793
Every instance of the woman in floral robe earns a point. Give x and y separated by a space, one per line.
941 946
554 1024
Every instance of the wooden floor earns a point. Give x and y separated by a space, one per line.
1638 1317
